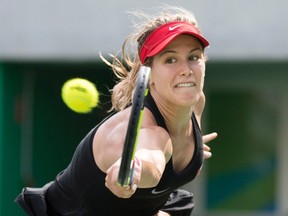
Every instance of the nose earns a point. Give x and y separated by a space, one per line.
186 72
185 68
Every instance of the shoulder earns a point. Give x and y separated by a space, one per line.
109 138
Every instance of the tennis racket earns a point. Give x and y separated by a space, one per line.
125 175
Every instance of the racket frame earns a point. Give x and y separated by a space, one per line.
125 176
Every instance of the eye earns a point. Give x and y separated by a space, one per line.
170 60
193 58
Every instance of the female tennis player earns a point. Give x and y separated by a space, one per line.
170 147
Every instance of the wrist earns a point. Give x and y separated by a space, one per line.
136 172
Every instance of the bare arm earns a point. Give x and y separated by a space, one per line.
151 161
152 153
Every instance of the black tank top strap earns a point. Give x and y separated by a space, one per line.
197 129
170 178
151 105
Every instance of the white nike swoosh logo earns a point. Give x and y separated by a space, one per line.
155 191
171 28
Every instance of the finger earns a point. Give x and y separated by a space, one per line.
207 154
134 187
127 191
206 147
209 137
135 172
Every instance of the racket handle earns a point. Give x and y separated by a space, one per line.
136 166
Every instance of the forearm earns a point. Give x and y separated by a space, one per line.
153 164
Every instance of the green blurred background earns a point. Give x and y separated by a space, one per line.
39 133
45 43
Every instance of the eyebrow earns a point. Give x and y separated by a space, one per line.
172 51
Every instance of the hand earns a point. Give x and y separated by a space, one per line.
207 138
112 177
162 213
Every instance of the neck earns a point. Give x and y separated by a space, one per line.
177 119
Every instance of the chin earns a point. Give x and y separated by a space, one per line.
187 102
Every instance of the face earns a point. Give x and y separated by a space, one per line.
178 72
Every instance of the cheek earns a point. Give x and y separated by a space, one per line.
155 82
157 79
201 74
202 69
151 80
203 78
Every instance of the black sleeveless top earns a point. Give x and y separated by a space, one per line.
80 189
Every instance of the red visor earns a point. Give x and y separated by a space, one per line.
164 34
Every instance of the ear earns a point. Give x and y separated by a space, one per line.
151 80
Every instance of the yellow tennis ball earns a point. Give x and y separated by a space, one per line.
80 95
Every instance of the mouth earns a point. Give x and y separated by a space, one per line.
185 85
